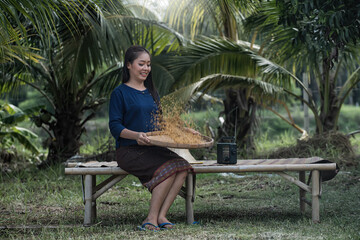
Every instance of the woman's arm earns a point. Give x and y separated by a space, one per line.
140 137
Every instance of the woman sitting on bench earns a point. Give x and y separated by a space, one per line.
133 105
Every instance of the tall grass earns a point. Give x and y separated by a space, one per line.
355 142
265 143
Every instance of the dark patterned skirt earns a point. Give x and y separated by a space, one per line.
151 164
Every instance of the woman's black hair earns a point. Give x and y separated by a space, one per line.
131 54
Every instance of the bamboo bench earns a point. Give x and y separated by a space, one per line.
320 170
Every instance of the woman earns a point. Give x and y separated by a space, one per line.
133 105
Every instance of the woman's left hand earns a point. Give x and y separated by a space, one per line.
142 139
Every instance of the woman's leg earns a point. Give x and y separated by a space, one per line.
170 197
158 196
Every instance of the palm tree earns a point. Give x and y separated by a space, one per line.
319 38
81 65
280 46
222 19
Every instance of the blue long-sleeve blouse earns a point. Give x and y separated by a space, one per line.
132 109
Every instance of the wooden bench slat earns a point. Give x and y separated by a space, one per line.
212 169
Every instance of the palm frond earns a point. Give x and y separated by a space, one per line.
280 42
212 55
208 56
155 36
20 136
105 82
262 91
140 11
207 17
350 83
12 49
162 78
96 45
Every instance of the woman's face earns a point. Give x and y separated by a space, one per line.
140 68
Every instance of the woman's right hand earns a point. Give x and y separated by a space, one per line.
142 139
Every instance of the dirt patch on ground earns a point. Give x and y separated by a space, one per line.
333 146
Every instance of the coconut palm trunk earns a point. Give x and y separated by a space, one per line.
240 115
329 100
65 144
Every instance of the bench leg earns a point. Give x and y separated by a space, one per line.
189 198
302 192
315 196
88 200
93 202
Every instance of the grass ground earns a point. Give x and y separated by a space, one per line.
48 205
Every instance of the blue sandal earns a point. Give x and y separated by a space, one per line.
162 226
144 228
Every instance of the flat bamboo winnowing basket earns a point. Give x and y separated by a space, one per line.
166 141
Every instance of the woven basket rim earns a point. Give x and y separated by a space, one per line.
208 142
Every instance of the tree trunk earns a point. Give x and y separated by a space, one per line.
329 102
66 132
243 117
328 118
